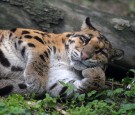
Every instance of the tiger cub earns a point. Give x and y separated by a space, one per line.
33 61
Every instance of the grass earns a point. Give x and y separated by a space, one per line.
119 101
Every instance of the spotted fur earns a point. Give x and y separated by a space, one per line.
36 61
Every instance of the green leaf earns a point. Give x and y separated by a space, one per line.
92 93
118 91
126 107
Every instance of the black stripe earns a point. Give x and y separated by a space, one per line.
54 49
42 57
6 90
15 46
63 90
4 61
98 51
76 53
46 54
63 96
31 45
105 54
23 51
39 39
48 50
16 68
20 41
39 33
53 86
10 35
28 36
49 47
25 32
13 30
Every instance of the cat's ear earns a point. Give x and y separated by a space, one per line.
87 24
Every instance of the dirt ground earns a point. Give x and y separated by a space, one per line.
116 7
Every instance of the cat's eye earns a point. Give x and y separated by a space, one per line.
84 40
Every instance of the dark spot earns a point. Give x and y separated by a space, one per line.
53 86
42 57
54 49
28 36
16 68
49 42
22 86
68 35
6 90
15 46
63 41
66 46
23 51
63 90
46 54
4 61
31 45
39 39
13 30
20 41
25 32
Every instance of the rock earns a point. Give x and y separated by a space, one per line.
30 14
120 24
61 15
124 39
133 26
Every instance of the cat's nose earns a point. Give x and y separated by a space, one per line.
84 56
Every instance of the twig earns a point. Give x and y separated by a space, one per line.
114 84
61 111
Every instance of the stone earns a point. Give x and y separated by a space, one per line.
120 24
60 16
